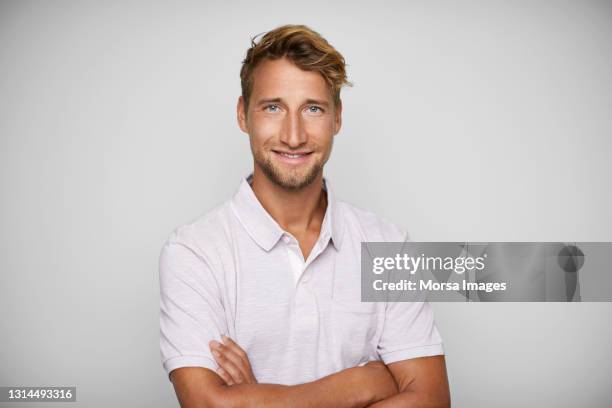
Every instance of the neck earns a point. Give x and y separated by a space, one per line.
296 211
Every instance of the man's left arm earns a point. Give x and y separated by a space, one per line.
411 348
422 382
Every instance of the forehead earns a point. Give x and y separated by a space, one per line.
282 78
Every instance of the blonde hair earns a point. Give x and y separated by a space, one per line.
304 47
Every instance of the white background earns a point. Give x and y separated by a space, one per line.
479 121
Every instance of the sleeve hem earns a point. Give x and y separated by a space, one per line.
188 361
412 352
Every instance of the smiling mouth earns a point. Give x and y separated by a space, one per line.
292 157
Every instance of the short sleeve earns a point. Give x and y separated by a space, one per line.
409 331
191 311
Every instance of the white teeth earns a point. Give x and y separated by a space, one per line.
292 156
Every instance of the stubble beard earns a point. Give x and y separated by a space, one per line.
288 180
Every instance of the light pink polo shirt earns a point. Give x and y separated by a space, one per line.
231 271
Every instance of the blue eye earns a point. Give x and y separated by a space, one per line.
271 106
314 109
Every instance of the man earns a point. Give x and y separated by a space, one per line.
277 268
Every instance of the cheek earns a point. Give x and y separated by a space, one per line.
319 126
263 131
320 131
268 126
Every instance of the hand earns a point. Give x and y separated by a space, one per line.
381 380
234 365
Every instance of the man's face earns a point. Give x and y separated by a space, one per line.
291 122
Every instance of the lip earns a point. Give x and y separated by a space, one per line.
292 157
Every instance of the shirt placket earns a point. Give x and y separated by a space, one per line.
296 259
305 306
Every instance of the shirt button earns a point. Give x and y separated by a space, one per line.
287 239
305 279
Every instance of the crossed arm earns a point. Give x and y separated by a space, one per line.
418 382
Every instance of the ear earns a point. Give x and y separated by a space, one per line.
241 115
338 118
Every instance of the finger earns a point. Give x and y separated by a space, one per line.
225 376
232 345
228 366
230 353
237 355
232 360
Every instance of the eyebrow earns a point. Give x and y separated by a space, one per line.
308 101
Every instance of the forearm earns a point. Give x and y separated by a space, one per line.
411 399
343 389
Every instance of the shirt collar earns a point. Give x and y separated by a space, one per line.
266 232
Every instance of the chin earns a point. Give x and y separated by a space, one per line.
290 180
288 176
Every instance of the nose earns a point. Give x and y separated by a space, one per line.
293 133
